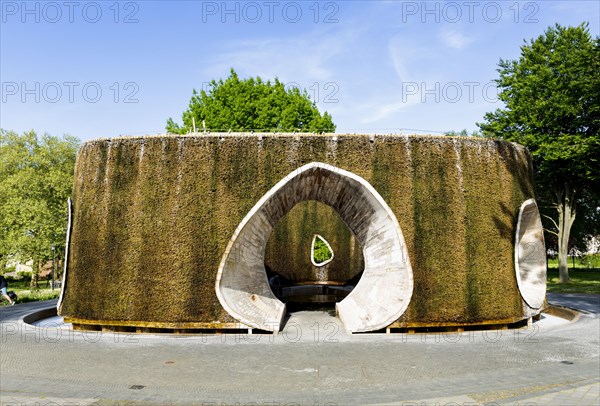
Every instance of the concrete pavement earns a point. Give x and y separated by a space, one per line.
311 362
581 301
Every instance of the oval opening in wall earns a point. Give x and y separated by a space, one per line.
321 252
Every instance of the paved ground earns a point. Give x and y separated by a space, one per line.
589 303
313 362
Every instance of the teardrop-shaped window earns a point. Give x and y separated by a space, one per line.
320 251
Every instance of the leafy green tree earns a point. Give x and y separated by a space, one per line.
251 105
552 98
321 251
584 229
36 178
463 133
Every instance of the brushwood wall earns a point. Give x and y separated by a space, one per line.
153 216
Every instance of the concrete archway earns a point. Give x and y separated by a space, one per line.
385 289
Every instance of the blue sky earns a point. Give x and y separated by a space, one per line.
109 68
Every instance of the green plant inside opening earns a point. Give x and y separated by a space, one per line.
321 251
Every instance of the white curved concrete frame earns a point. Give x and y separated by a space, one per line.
67 245
530 255
385 289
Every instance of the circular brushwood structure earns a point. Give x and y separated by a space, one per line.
189 232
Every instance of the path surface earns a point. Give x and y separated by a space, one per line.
312 362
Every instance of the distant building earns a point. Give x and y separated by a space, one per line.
19 267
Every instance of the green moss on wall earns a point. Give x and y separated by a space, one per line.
153 216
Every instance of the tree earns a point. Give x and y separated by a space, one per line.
36 178
251 105
552 98
463 133
585 228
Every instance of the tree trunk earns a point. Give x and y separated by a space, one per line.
35 272
566 216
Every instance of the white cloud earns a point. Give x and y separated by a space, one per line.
402 54
454 39
399 59
380 111
322 61
310 57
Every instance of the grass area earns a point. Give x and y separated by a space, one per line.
26 294
583 280
582 262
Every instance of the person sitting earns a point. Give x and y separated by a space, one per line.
3 289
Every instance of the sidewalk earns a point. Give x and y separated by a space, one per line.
580 301
312 362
